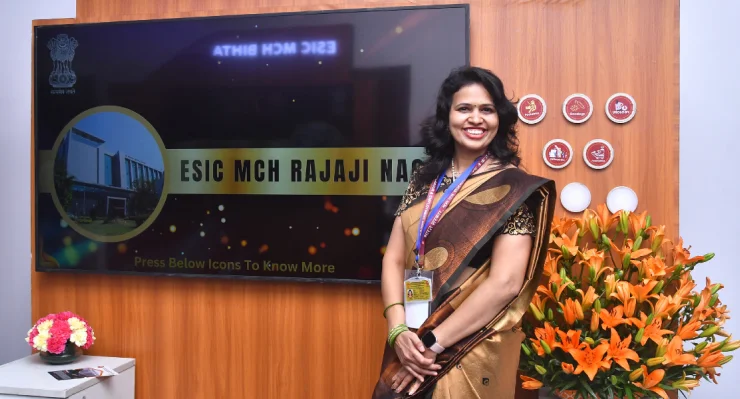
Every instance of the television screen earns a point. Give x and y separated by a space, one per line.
260 146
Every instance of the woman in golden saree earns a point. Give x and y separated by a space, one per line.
469 240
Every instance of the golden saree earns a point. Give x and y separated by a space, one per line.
484 364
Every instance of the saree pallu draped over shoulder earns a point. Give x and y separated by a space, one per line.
484 364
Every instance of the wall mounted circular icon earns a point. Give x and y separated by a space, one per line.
621 198
532 109
575 197
621 108
557 153
577 108
109 176
598 154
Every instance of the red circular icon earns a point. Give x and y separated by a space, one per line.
621 108
598 154
577 108
532 109
557 153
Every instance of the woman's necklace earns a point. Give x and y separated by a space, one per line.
454 174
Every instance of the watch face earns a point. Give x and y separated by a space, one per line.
429 339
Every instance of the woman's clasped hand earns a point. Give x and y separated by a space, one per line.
417 362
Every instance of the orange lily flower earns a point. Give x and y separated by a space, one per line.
629 309
675 356
620 352
657 237
554 296
712 373
590 360
570 340
613 318
572 311
684 290
604 218
650 381
561 225
567 368
595 262
653 330
702 311
530 383
566 243
622 291
627 249
681 255
666 306
652 268
641 291
690 330
538 303
709 359
588 298
721 314
610 284
546 334
638 222
551 266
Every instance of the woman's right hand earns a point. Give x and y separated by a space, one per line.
409 349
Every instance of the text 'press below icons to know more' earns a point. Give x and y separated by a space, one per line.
575 197
532 109
620 108
557 153
598 154
578 108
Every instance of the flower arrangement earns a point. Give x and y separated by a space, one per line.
618 316
52 333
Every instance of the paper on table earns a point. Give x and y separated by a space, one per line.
87 372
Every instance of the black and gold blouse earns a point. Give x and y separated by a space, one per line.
520 223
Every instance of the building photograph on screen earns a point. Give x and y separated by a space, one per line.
108 174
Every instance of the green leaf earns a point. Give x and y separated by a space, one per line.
584 384
569 385
628 392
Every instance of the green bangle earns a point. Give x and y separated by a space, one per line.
389 306
395 332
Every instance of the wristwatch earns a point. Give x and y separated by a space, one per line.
430 341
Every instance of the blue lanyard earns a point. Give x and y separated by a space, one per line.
430 219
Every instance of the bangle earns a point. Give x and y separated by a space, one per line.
395 332
389 306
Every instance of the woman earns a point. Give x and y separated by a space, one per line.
480 225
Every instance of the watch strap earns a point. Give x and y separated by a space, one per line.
437 348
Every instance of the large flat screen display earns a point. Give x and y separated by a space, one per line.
259 146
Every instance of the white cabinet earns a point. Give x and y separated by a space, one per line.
29 378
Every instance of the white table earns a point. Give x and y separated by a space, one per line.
29 378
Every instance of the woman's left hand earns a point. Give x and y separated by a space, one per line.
402 379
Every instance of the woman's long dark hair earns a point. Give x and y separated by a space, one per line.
439 146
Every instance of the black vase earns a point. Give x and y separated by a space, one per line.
70 354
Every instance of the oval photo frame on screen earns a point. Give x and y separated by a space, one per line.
134 189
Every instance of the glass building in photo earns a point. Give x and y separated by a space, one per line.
104 178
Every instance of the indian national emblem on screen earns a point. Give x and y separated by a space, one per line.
62 50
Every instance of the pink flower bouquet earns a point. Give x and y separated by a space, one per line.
51 333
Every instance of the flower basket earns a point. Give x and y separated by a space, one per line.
618 314
61 337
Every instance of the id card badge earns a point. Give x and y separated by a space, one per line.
417 288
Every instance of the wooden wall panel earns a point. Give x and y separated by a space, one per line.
199 338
